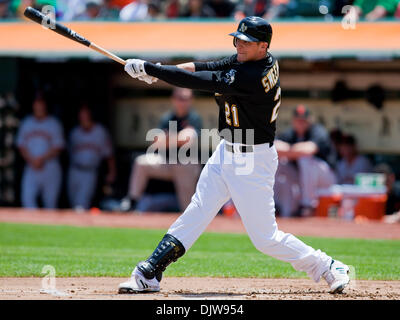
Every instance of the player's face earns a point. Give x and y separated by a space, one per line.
300 125
85 118
182 100
346 150
249 51
39 109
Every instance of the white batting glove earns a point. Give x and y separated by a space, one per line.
149 79
135 68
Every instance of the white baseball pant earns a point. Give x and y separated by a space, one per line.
45 182
224 177
81 187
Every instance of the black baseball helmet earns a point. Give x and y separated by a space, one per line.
254 29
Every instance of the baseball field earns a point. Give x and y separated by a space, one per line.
90 254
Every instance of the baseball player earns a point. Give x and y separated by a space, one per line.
40 140
248 93
89 144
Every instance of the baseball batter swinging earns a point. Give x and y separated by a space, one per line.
248 94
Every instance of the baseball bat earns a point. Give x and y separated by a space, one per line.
40 18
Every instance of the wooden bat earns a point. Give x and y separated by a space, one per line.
51 24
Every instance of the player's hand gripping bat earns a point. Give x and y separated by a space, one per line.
40 18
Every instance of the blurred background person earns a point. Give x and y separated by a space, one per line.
336 137
89 144
40 141
87 9
304 151
373 9
5 10
70 9
96 9
276 9
19 6
247 8
172 8
392 188
156 166
135 11
119 3
197 9
222 8
351 161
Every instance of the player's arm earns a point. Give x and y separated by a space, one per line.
211 81
26 155
222 64
52 153
296 150
304 149
379 12
57 144
188 66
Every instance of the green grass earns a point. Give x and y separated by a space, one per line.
76 251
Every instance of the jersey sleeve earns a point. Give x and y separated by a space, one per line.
224 82
222 64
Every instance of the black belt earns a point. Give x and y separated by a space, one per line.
243 148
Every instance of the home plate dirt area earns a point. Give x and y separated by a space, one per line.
201 288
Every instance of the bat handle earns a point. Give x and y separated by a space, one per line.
107 53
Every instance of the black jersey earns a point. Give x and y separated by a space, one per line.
248 93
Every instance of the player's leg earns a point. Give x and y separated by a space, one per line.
73 186
52 179
314 174
185 177
253 197
211 193
81 187
29 188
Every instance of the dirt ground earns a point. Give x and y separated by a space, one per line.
198 288
201 288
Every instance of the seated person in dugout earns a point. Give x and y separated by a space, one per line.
351 161
304 153
166 164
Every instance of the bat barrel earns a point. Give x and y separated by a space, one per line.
51 24
34 15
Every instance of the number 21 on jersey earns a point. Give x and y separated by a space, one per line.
231 115
276 108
